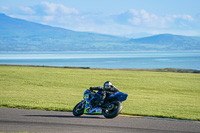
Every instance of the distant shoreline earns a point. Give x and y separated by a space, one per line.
176 70
137 51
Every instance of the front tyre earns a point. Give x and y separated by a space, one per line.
113 110
79 109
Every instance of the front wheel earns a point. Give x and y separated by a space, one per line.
113 110
79 109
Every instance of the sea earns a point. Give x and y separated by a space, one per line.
105 59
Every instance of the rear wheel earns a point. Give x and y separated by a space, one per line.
79 109
113 109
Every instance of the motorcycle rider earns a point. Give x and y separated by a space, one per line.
104 91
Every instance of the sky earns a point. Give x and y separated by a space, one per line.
115 17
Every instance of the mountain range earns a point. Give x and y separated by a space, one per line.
21 35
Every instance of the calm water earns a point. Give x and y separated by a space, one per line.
185 60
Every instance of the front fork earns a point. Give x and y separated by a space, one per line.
83 103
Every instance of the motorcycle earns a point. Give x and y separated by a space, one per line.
111 107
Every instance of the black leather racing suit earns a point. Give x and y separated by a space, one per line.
100 96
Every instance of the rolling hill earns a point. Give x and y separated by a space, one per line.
21 35
168 42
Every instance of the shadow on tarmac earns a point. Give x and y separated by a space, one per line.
66 116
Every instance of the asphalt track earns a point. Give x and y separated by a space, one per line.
21 120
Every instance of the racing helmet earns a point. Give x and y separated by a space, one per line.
107 84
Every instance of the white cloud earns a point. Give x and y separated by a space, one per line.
144 14
149 20
183 17
4 8
135 21
127 22
57 9
134 12
48 18
27 10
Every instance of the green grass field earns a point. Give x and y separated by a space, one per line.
162 94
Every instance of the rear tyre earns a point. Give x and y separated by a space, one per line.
78 109
113 110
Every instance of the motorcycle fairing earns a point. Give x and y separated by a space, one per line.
89 110
120 96
88 97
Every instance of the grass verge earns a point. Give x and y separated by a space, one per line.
172 95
